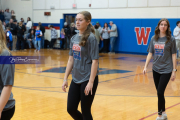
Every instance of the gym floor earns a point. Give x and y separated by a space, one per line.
123 93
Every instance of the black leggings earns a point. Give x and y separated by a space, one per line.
52 42
7 115
105 45
161 81
75 95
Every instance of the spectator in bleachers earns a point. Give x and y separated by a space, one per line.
2 12
13 16
4 26
32 28
20 33
105 38
13 29
9 38
22 20
42 37
97 34
7 15
99 27
53 36
67 35
28 24
176 34
38 35
113 36
14 35
62 39
72 30
30 38
2 15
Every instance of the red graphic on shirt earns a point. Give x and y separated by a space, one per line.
76 47
159 46
76 51
142 36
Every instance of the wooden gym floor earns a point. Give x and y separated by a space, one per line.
123 92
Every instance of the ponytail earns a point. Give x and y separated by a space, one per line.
86 34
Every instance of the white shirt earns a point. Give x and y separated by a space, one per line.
29 24
7 34
176 33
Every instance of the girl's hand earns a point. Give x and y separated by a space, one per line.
173 76
144 71
64 86
88 88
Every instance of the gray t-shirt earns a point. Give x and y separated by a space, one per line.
83 56
7 78
162 51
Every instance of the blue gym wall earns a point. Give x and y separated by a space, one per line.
127 41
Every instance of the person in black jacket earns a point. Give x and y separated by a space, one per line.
67 35
32 28
20 36
72 30
13 29
42 37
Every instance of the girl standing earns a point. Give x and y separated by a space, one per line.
83 61
7 102
163 47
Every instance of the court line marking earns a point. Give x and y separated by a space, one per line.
157 112
31 88
99 82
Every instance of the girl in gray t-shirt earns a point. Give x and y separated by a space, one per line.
7 102
163 49
83 62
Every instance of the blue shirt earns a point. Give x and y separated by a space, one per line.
9 34
38 33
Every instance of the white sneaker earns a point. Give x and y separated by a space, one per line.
160 118
164 115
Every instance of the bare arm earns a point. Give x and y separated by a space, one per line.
68 71
148 59
90 84
147 62
94 68
69 67
174 61
173 75
6 92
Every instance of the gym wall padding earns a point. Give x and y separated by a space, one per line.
127 41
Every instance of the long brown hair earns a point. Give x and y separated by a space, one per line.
20 24
90 28
2 39
168 31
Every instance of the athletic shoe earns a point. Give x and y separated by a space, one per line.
160 118
164 115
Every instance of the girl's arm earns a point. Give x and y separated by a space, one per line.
6 92
69 67
147 62
68 71
173 75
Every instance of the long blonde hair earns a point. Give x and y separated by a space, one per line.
2 39
90 28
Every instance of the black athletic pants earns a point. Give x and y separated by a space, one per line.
106 45
52 42
7 115
75 95
161 81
